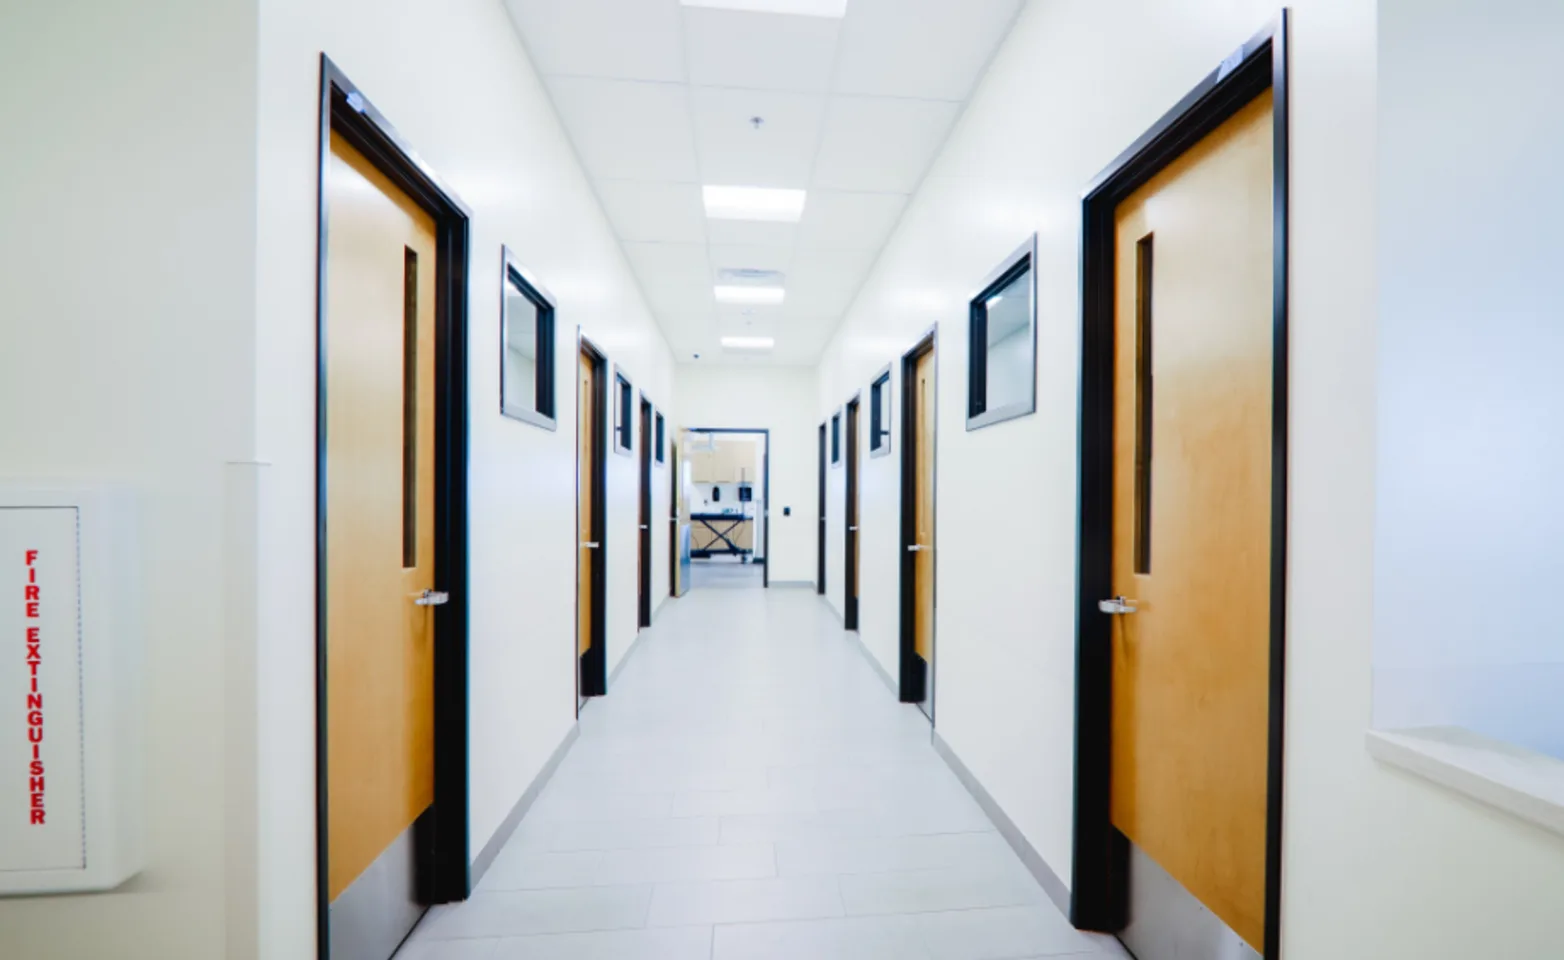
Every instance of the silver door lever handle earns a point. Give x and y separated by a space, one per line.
916 548
1117 606
432 598
852 529
589 544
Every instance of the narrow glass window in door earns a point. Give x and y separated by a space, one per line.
1143 408
410 408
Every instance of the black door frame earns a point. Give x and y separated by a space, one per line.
1099 895
850 516
820 536
441 838
592 666
644 588
915 686
675 482
765 493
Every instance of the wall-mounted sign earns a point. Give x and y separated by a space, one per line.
40 690
69 669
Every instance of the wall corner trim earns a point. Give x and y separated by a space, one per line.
1035 864
485 859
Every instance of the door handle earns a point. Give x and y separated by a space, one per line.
1117 606
645 527
852 529
432 598
588 545
916 548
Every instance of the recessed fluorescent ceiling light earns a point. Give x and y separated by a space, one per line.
805 8
754 203
764 296
749 343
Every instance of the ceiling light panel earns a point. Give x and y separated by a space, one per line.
835 9
748 343
758 296
754 203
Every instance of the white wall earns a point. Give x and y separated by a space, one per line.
127 260
1469 521
158 216
1376 865
455 81
779 399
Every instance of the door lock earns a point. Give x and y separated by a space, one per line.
1117 606
432 598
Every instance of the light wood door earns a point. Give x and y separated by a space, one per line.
380 508
643 557
850 518
1192 516
923 510
586 472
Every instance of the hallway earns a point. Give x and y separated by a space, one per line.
752 791
725 575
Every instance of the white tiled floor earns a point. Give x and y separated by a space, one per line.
724 572
750 790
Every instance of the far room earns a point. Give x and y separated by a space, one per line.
727 516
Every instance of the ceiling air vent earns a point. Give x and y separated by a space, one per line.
750 275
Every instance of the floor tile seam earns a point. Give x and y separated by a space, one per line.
946 911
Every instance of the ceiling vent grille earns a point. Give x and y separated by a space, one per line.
750 275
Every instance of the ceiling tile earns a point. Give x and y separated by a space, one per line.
629 131
733 152
754 233
832 295
933 49
618 39
729 315
654 212
759 51
824 282
675 277
879 144
836 220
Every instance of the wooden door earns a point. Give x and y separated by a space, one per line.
1192 518
587 420
675 483
850 523
820 537
380 508
644 541
923 522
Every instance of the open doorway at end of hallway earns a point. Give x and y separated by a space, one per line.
729 508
